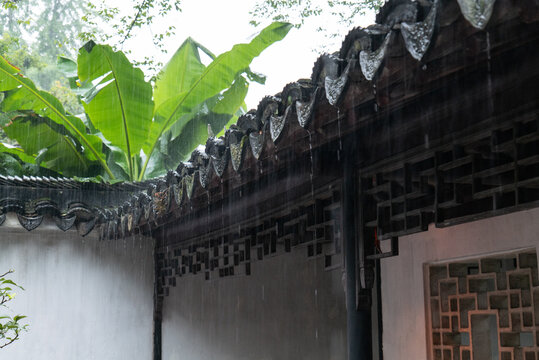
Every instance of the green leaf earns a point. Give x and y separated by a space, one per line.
233 98
121 106
51 144
216 112
118 163
227 103
17 151
10 166
256 77
22 94
180 72
217 77
69 68
160 161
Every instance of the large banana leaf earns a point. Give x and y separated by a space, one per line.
18 152
121 104
52 146
22 94
69 68
10 166
216 112
215 78
180 72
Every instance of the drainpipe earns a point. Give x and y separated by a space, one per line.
157 308
358 317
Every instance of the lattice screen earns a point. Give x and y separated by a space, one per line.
485 308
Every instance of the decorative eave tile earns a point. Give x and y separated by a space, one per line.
277 124
305 110
370 61
219 164
477 12
178 193
30 222
85 227
236 154
417 36
257 142
335 87
204 175
189 182
65 223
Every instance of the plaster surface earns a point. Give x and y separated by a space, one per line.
403 292
288 308
84 299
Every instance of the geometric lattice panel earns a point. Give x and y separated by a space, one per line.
313 225
485 308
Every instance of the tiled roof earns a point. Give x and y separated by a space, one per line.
349 73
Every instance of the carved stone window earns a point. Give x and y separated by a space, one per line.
484 308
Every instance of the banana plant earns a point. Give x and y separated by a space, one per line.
131 130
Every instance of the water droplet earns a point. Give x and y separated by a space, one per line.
488 50
339 128
312 163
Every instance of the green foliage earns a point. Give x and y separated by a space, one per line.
174 113
46 76
120 103
10 326
123 25
16 51
53 25
61 90
320 12
129 131
80 147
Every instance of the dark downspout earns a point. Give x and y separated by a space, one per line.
358 317
379 308
157 308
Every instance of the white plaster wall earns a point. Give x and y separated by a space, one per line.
403 300
84 299
289 308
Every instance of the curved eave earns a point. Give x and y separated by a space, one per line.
412 43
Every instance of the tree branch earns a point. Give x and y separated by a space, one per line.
134 21
11 341
6 273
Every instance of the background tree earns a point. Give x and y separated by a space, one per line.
51 27
58 27
122 24
316 13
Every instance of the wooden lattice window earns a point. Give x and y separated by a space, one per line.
484 308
